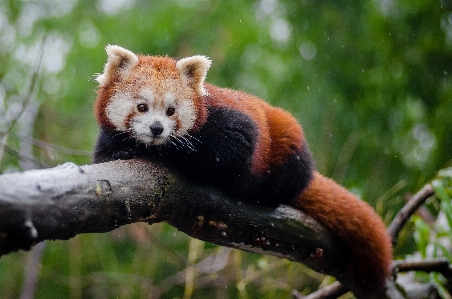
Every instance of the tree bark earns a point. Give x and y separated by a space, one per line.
61 202
67 200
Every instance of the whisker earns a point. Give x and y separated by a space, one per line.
192 137
188 143
184 141
178 139
172 142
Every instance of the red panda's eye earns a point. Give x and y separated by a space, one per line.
142 108
170 111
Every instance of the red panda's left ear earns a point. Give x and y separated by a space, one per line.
193 71
120 62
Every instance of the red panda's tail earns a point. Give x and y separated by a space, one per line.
356 223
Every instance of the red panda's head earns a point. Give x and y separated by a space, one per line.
151 98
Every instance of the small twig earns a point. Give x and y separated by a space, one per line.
331 291
405 213
32 272
441 265
49 146
30 90
23 157
3 140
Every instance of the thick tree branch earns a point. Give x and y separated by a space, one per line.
67 200
61 202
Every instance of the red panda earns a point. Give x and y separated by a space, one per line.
161 108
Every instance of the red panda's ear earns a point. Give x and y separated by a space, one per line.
193 71
120 62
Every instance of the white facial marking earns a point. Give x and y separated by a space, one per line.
119 109
186 114
147 94
123 107
170 100
141 126
141 123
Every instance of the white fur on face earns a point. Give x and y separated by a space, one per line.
118 110
123 114
186 115
142 122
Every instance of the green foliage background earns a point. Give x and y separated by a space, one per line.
370 82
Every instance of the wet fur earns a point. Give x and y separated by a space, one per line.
240 144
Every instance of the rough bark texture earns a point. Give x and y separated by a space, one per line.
60 202
67 200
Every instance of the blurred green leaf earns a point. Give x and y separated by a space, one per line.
439 282
421 235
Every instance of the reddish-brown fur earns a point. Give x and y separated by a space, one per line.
104 95
279 132
336 208
280 136
357 224
152 68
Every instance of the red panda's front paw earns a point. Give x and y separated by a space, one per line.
124 154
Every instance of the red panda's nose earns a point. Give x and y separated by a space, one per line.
156 128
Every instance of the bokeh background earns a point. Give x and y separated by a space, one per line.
370 82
